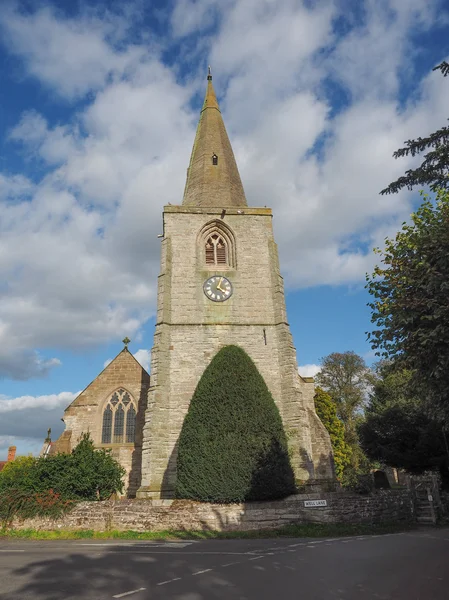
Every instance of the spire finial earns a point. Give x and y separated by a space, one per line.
209 74
126 341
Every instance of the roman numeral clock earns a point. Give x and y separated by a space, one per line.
217 288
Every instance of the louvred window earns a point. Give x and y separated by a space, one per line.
216 251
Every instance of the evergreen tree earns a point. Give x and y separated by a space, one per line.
326 409
232 446
434 170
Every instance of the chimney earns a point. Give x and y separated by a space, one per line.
11 453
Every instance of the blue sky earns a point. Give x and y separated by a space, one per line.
99 104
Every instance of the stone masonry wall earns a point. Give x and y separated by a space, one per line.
85 414
191 329
144 515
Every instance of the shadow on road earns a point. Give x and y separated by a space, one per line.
112 571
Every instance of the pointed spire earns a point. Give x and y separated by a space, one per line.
212 177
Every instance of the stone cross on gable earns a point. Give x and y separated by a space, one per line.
126 341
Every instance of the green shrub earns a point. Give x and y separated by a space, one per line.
326 409
85 474
232 446
49 486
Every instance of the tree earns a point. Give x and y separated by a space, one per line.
326 409
434 169
345 376
232 446
398 430
410 305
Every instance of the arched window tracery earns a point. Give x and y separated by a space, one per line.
216 250
119 419
217 245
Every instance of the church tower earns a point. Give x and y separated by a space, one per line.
220 284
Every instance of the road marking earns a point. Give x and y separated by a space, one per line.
256 558
12 550
200 572
169 581
133 545
230 564
129 593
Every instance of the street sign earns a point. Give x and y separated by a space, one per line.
314 503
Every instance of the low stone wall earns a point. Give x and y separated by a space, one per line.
145 515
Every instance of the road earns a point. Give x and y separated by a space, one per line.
406 566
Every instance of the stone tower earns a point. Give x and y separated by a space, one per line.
220 284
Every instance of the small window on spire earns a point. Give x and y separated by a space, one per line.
214 159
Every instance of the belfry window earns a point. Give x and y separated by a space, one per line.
216 251
119 419
216 245
214 159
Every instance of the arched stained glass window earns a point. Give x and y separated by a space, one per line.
119 424
131 425
107 426
119 419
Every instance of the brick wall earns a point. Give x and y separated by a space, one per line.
144 515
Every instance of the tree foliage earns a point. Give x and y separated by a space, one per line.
434 170
326 409
410 307
398 430
345 376
232 446
85 474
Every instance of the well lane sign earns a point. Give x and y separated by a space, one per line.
314 503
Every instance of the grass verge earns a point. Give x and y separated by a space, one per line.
303 530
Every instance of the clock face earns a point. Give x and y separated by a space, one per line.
217 288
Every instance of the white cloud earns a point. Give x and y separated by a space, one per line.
23 364
309 370
79 248
24 420
143 356
73 56
189 15
45 402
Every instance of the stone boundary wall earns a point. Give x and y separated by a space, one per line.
159 515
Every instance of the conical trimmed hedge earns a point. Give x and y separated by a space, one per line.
232 446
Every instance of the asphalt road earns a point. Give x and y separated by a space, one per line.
406 566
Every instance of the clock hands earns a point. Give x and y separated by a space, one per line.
214 290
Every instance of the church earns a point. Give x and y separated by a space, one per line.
219 284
